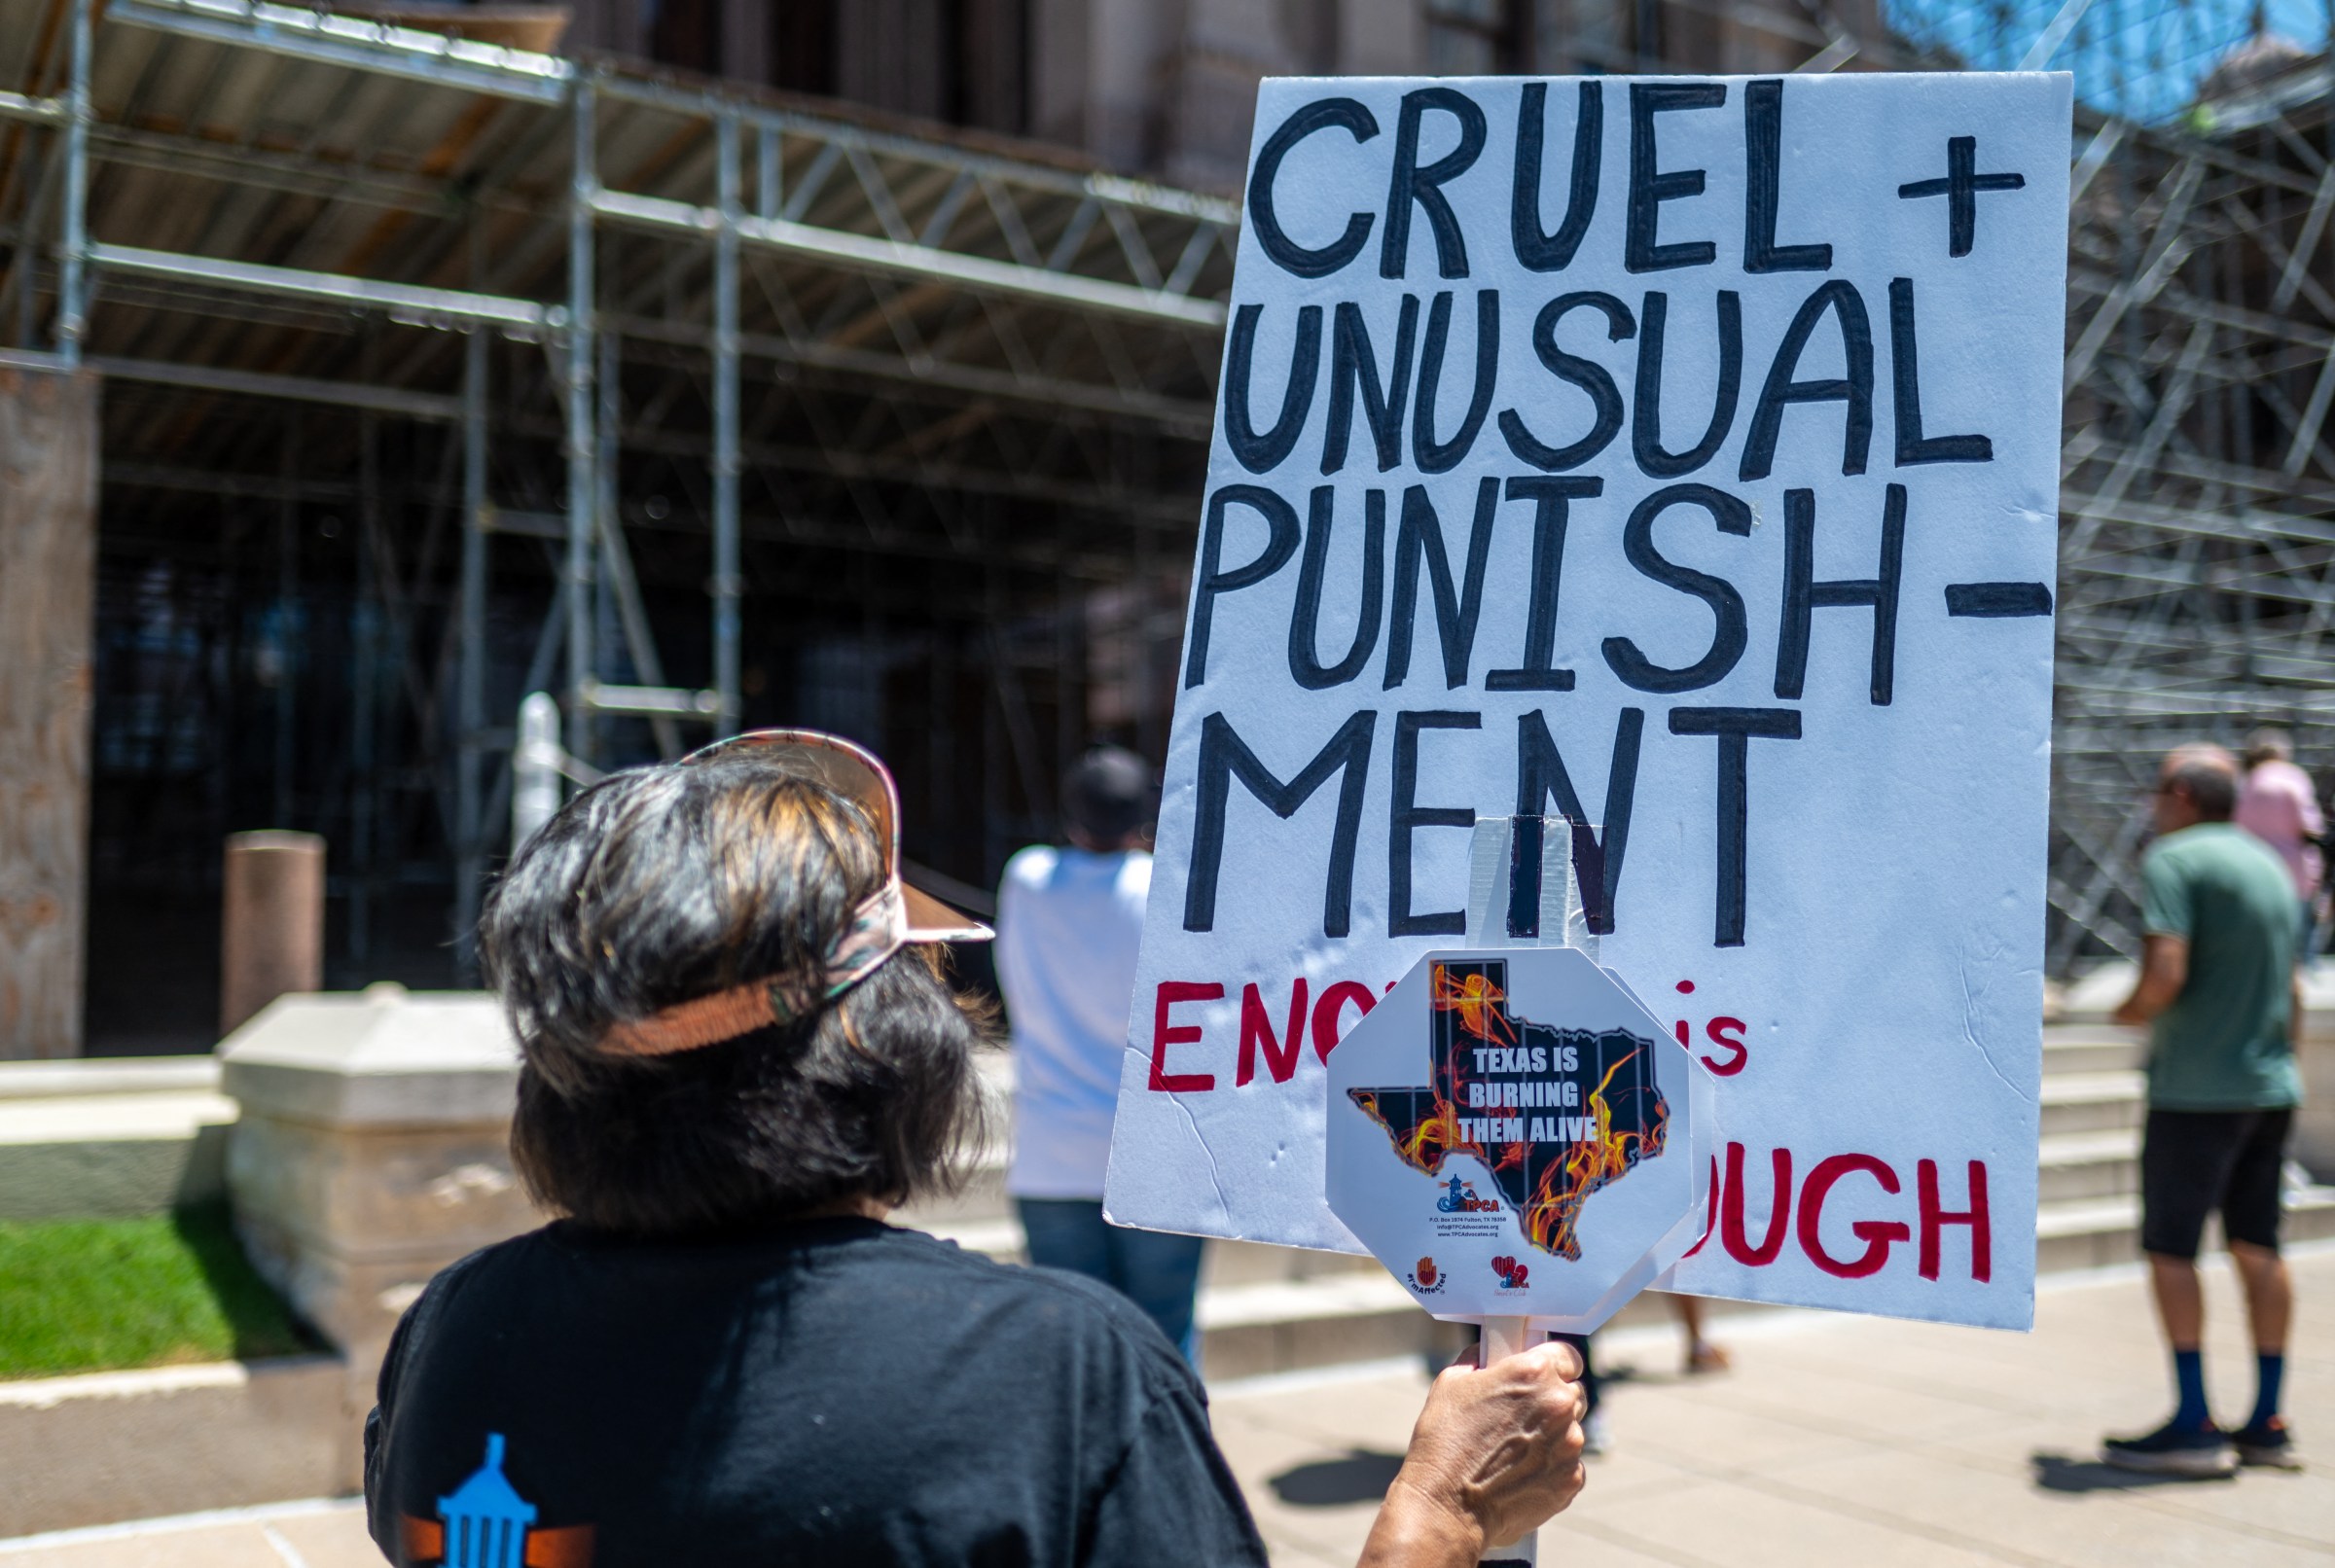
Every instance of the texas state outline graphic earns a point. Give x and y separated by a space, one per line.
1554 1114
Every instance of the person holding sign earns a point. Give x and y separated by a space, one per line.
737 1052
2218 989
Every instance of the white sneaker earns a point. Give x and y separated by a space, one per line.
1596 1438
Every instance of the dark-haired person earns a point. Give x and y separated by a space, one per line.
2217 989
737 1053
1069 922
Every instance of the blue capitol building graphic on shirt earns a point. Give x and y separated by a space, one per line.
485 1518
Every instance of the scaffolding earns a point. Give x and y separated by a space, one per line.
2197 552
2199 492
440 372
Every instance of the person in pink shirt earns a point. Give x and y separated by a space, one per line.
2277 805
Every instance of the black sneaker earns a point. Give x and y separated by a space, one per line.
2174 1451
2270 1446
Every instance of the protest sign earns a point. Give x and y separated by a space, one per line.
1678 457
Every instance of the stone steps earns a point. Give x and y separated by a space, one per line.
2094 1232
81 1076
111 1139
1332 1319
2082 1008
1329 1309
2080 1166
2089 1188
1266 1309
2091 1102
2077 1049
1263 1308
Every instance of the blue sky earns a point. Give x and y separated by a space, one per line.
2139 58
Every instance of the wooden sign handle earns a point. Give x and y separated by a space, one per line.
1542 908
1506 1337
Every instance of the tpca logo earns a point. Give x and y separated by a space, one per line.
1513 1274
486 1523
1425 1279
1459 1197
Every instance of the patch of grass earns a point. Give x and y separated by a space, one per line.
108 1295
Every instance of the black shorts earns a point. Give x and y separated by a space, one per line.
2193 1162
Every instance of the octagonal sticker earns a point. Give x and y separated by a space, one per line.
1512 1134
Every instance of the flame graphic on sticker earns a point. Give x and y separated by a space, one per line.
1552 1218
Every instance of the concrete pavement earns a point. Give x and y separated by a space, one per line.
1857 1442
1834 1441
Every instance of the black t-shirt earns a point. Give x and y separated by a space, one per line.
826 1392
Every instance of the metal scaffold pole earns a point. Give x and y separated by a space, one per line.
607 519
583 453
726 584
366 639
72 293
470 831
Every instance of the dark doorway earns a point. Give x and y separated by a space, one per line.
688 33
803 45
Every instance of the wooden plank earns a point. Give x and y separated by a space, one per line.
48 574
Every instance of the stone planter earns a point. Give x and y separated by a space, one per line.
372 1150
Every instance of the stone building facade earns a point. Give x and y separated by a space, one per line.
1165 87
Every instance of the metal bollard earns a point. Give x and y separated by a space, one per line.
536 793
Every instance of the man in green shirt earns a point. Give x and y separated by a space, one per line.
2217 989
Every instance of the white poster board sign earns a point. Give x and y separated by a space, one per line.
1680 457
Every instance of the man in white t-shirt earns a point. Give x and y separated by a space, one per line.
1069 922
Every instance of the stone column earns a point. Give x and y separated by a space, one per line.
372 1151
48 575
271 922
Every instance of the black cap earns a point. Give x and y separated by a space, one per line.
1109 793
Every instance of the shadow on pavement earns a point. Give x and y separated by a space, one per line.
2064 1472
1361 1476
